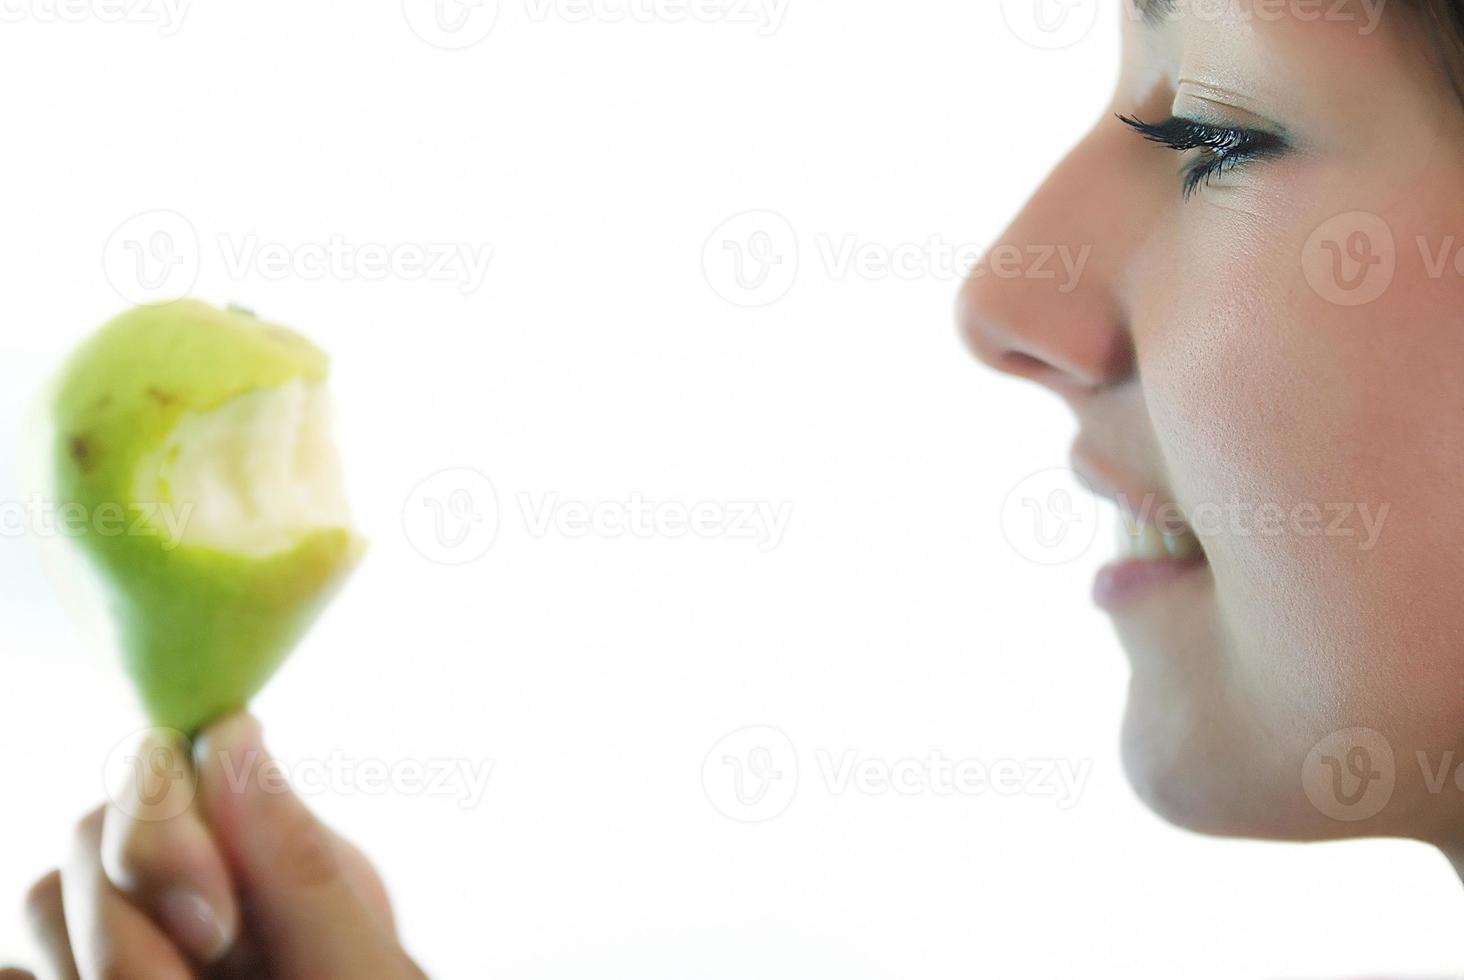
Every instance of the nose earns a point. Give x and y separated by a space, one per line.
1045 303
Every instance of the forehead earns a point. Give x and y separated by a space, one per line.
1156 12
1335 43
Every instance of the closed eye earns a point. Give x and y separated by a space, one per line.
1220 148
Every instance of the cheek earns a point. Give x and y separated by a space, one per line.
1319 446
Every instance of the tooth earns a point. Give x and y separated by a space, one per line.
1144 542
1128 534
1184 545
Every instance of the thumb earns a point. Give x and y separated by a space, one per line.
301 906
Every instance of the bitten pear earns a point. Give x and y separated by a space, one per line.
192 450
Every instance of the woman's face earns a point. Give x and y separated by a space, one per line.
1273 369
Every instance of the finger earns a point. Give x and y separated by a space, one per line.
48 926
245 961
302 903
13 973
157 851
365 882
111 939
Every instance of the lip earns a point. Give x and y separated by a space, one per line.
1129 580
1134 498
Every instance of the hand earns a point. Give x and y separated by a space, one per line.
210 867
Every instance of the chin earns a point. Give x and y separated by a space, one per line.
1200 748
1217 756
1173 771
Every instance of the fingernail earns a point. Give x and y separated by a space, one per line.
238 734
232 749
191 921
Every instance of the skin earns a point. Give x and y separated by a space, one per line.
1203 367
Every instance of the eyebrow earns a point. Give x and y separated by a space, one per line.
1155 12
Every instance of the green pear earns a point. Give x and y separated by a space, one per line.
194 467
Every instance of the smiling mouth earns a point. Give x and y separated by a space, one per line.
1148 560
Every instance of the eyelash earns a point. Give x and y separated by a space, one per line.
1222 147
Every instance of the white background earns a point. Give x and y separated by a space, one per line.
597 361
